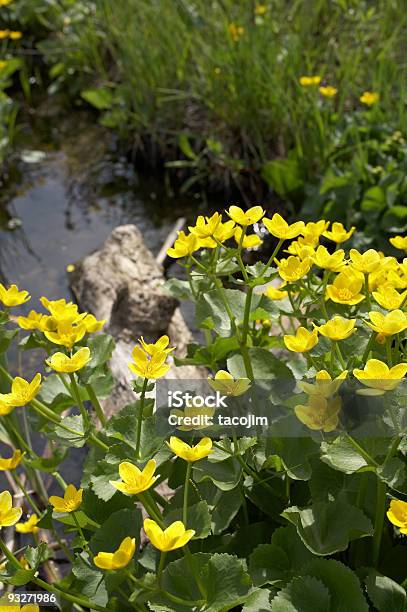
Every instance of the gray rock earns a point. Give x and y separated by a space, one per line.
123 284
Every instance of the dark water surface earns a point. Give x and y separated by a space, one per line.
66 189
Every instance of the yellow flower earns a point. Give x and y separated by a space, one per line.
365 262
397 514
133 480
13 462
64 364
389 298
184 245
300 250
249 242
70 502
227 385
278 227
5 406
324 385
379 377
16 35
118 559
4 34
346 288
260 9
235 31
33 321
248 217
293 268
3 64
70 268
320 414
369 98
62 311
391 323
67 334
12 296
160 346
190 453
29 526
328 91
306 81
303 340
150 363
5 2
399 242
312 232
206 226
175 536
92 324
22 392
275 293
338 233
8 515
325 260
337 328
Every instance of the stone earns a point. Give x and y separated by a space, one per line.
123 284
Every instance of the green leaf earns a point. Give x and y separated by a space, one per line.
84 521
223 505
89 581
374 200
302 594
395 219
394 474
47 464
101 98
295 454
258 601
341 455
384 593
343 585
328 527
266 366
36 556
101 348
6 338
76 437
280 561
185 146
224 474
121 524
199 518
283 175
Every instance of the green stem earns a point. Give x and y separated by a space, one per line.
273 255
186 487
245 332
379 520
161 567
388 352
27 495
96 404
340 356
368 458
368 347
195 574
367 292
140 417
149 505
77 398
85 544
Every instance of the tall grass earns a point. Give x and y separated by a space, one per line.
176 70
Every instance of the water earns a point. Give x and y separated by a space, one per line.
66 189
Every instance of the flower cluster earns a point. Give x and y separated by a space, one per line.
328 91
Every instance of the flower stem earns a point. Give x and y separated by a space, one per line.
77 398
96 404
379 520
140 417
27 495
161 567
186 488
